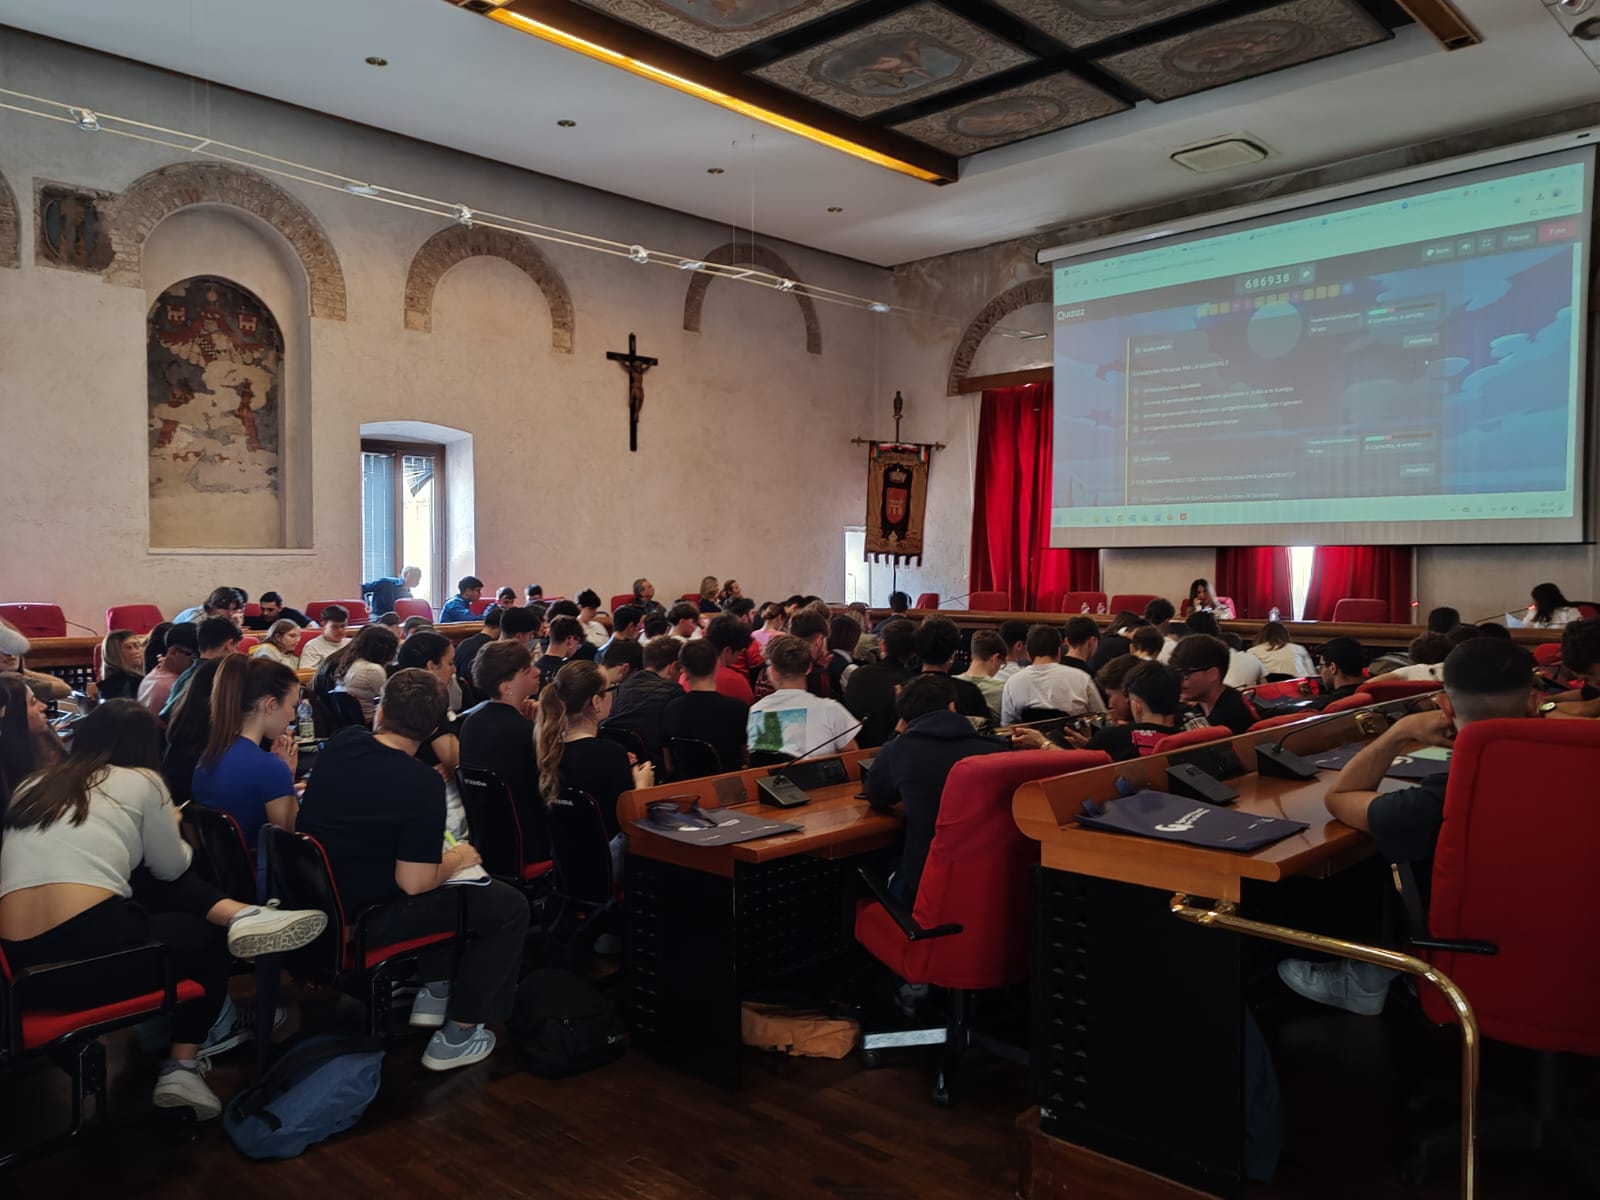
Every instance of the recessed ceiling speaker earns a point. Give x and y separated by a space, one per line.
1219 155
1574 8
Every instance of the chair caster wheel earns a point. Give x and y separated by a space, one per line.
871 1060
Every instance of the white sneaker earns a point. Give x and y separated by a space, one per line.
273 930
429 1004
184 1088
440 1055
1338 984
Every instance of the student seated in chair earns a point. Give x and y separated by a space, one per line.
1080 642
1580 655
703 712
498 736
1202 664
274 610
790 720
1340 663
92 863
1015 635
643 696
911 768
566 635
334 617
1484 679
380 815
936 642
252 701
870 693
469 590
1045 683
988 654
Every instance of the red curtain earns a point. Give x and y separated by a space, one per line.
1380 572
1256 578
1011 504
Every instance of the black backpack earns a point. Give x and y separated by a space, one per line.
564 1025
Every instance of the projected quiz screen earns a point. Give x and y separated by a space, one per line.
1407 356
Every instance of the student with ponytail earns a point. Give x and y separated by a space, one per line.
252 701
570 753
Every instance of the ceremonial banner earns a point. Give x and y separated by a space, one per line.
897 497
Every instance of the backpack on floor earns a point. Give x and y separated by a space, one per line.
563 1024
316 1087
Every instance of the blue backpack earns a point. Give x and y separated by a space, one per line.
316 1087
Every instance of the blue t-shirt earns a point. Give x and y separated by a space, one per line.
241 784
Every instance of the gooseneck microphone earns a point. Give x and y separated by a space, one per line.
1277 762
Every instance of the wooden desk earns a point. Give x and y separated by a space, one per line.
708 926
1139 1019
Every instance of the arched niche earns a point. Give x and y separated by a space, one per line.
458 243
764 258
1023 295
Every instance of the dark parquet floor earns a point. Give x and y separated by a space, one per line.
800 1128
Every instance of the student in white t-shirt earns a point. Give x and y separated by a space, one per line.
1550 608
1280 655
1427 654
330 640
1048 684
791 720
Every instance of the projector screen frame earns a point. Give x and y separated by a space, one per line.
1576 529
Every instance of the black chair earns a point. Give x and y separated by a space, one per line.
626 738
496 831
344 711
769 758
585 890
344 956
70 1038
691 758
221 853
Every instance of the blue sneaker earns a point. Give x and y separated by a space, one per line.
443 1054
233 1027
429 1004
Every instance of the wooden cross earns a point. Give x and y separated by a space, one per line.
635 364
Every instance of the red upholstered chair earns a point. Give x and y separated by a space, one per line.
1368 610
306 635
618 601
1547 654
35 620
481 605
252 609
989 602
1287 689
70 1038
690 597
315 607
927 600
1359 700
1284 719
248 643
1192 737
340 958
1074 602
140 618
1587 609
969 929
1512 920
1131 601
407 606
1381 689
360 614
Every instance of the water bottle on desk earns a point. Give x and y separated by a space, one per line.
1273 615
304 723
1084 608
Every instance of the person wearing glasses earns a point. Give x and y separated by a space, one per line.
1201 662
183 648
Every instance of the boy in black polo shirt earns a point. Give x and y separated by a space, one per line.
1484 679
1202 662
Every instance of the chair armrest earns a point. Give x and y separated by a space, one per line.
1405 882
1459 945
153 956
899 913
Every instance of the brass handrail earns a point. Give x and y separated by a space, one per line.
1225 916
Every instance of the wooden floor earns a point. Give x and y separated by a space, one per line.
800 1128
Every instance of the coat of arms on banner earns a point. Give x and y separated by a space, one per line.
897 498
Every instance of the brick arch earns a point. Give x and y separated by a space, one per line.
764 258
10 233
155 196
1032 291
456 244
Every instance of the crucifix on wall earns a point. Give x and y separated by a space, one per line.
635 364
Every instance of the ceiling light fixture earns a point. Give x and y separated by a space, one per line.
785 285
464 215
566 123
638 254
376 61
1587 30
87 120
691 264
700 91
1032 337
877 306
834 208
361 189
714 171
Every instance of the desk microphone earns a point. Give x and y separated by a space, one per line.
85 628
779 790
1500 614
1276 762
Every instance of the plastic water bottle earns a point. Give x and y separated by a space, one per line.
303 721
1273 615
1084 607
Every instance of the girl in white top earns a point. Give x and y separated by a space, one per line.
1279 655
74 837
1550 608
1202 599
594 630
280 644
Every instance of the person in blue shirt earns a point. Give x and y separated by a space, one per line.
381 593
469 590
252 701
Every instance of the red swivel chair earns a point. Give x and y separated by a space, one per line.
1283 719
252 609
70 1038
1512 920
407 606
1399 689
35 620
690 597
969 929
315 607
140 618
618 601
1547 654
342 958
248 643
1073 602
1190 738
1288 689
481 605
1132 601
927 600
1358 700
1587 609
360 614
989 602
1362 610
306 635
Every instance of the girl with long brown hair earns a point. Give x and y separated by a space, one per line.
572 755
27 743
75 835
359 667
252 701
